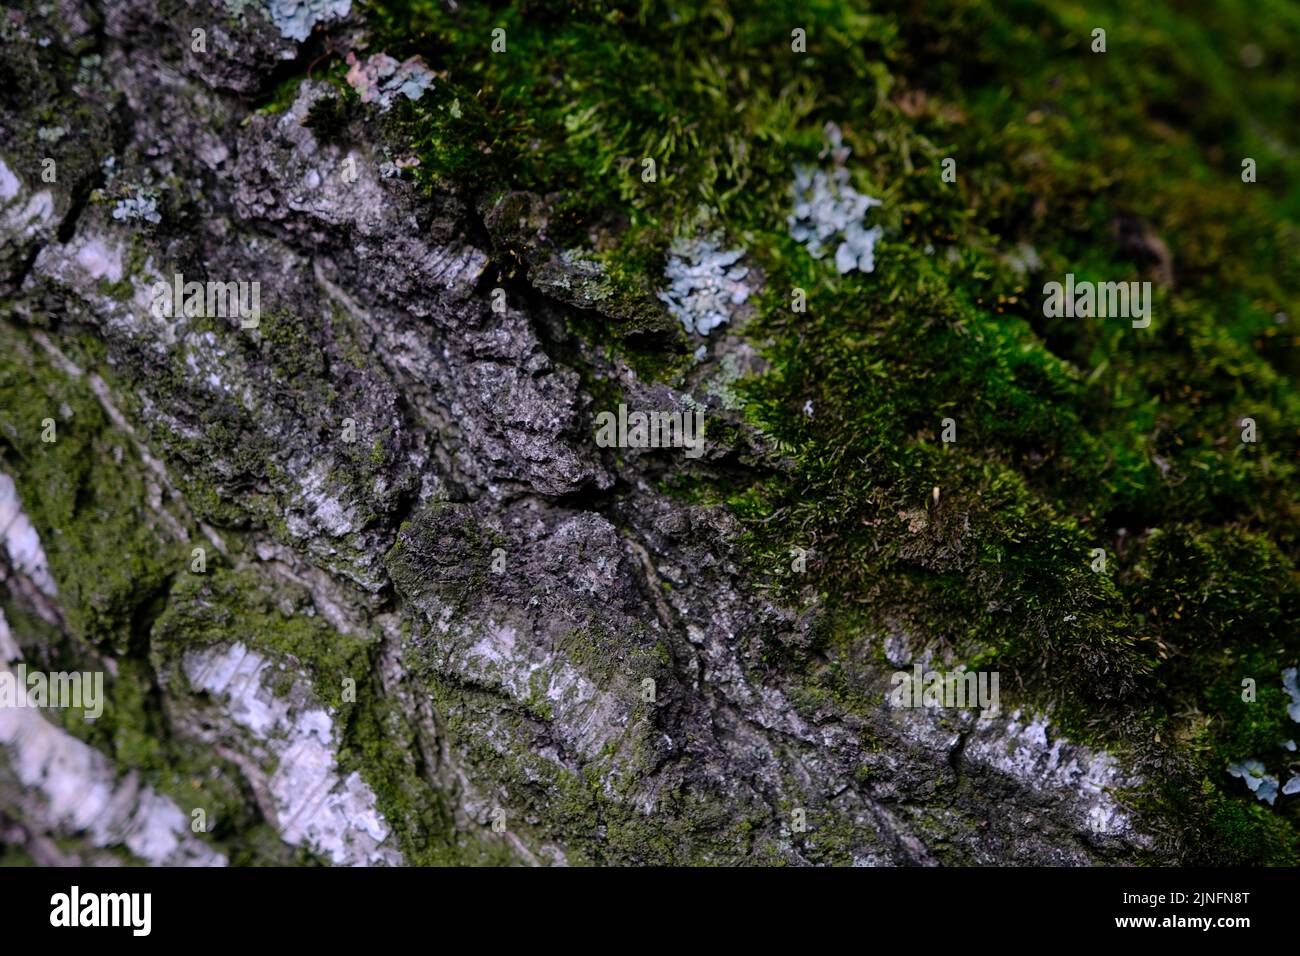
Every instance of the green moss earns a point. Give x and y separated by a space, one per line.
14 856
376 738
446 551
282 97
268 615
87 495
86 492
545 802
1072 435
586 92
380 742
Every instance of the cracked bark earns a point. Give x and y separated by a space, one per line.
516 692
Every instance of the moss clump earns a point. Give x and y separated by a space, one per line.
400 767
86 492
1072 435
375 738
546 802
445 551
269 615
586 93
89 497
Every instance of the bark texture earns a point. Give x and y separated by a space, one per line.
434 621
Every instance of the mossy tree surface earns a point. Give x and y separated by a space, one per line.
1121 165
1072 434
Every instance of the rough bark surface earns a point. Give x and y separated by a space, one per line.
431 606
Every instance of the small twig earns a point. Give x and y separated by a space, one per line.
329 51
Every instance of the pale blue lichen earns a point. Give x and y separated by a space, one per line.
380 78
705 284
1253 771
139 207
1289 684
829 211
295 19
1257 779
